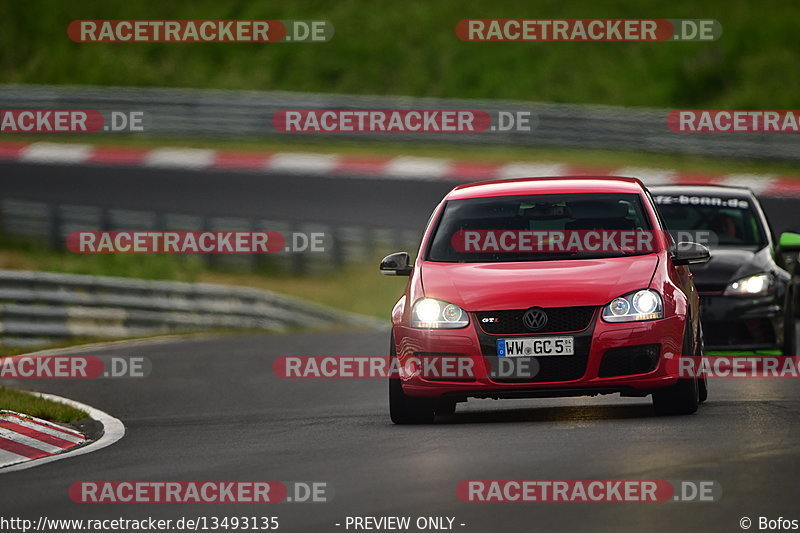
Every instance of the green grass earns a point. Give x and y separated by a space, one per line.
23 402
410 48
22 255
358 287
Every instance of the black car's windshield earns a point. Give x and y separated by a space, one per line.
711 220
479 229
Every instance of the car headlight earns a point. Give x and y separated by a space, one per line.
435 314
750 286
640 305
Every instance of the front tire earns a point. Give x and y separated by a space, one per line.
702 385
702 381
789 332
404 409
683 398
680 399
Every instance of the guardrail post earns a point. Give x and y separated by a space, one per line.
56 234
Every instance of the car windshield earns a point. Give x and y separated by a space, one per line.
474 230
711 220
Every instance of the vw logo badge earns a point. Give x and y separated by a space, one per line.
534 319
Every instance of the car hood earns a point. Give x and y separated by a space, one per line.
727 265
517 285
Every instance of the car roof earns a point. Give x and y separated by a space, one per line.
727 191
547 185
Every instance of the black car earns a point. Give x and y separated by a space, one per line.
747 290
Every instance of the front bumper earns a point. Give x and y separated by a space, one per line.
741 323
579 374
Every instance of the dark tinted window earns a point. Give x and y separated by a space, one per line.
711 220
563 212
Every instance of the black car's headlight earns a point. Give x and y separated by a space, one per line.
430 313
756 285
644 304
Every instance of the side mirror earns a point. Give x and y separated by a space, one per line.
396 264
690 253
789 242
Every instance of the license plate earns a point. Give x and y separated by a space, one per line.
538 346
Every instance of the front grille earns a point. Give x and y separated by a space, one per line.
559 320
629 360
711 288
578 321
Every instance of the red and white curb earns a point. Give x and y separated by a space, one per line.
26 441
24 437
398 167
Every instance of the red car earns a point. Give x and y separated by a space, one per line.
545 287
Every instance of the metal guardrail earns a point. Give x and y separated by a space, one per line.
248 114
37 307
50 225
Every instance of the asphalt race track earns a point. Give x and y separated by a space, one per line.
355 200
213 410
289 197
